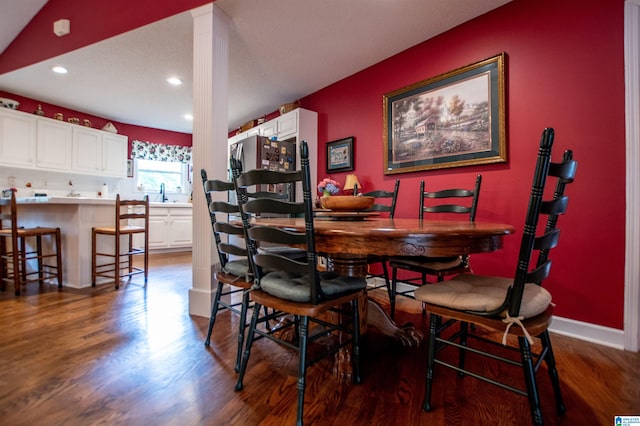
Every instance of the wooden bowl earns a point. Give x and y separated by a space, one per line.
346 202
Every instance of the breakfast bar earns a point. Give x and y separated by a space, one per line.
75 216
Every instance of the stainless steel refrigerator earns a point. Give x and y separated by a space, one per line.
260 152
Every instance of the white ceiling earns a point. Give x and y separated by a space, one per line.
280 51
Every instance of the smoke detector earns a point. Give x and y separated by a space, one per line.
61 27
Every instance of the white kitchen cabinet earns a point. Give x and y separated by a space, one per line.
17 138
87 150
170 228
30 141
114 155
53 145
99 153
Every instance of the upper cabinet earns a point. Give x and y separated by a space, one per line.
59 146
17 139
53 146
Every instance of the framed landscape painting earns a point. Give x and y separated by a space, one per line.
452 120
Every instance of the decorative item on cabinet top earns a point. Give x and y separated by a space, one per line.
285 108
9 103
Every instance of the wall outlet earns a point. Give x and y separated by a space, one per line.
12 182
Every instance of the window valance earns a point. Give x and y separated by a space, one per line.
160 152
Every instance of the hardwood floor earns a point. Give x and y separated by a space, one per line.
135 356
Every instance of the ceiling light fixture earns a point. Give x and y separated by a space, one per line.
175 81
188 117
59 69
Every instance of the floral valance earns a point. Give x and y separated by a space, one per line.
160 152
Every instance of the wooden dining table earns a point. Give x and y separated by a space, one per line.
345 241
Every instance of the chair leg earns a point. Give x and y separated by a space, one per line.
392 293
130 257
431 355
214 313
385 272
302 368
247 348
464 332
39 259
146 260
355 359
553 372
93 257
116 259
242 327
530 381
23 258
59 257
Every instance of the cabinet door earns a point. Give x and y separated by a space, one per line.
17 139
114 155
87 151
53 146
180 228
158 234
287 125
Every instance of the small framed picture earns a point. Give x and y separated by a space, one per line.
129 168
340 155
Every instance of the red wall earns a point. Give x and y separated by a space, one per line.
564 70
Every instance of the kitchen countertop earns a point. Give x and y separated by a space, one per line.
90 200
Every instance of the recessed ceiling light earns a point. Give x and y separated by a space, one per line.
59 69
175 81
188 117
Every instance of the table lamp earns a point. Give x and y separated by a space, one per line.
351 184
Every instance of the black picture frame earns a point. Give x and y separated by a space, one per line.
451 120
340 155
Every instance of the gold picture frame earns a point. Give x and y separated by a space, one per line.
451 120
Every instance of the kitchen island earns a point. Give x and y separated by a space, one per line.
75 216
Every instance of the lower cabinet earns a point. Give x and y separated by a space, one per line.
170 228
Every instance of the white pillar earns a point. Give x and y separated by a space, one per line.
210 82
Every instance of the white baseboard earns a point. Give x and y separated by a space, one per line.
606 336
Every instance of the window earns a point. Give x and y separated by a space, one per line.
150 174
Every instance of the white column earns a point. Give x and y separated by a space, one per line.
210 82
632 107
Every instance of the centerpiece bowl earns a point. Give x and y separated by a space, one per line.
346 202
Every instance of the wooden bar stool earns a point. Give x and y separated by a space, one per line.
132 217
16 256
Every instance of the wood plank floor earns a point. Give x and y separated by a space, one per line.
135 356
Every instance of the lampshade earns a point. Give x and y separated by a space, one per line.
351 182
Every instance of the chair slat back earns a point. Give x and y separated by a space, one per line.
534 240
265 235
9 212
450 200
223 231
128 210
381 195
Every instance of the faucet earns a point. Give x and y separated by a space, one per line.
163 193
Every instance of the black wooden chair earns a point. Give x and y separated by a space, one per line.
448 202
17 254
518 306
234 276
295 286
385 203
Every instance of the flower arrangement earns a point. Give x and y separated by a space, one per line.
328 187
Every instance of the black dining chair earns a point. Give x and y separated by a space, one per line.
234 276
295 287
517 306
385 203
444 201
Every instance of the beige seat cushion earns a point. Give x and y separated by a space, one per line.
469 292
433 263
